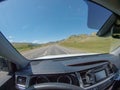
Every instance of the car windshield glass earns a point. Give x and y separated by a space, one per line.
115 44
39 28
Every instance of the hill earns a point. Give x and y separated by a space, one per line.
25 46
87 43
83 42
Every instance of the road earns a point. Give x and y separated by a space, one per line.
39 52
49 50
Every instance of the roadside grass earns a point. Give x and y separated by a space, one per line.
84 43
25 46
88 43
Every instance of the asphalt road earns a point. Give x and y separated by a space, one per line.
39 52
49 50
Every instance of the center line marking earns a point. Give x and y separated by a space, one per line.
45 53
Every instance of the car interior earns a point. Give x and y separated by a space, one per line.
69 72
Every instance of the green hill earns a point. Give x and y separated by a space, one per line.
87 43
25 46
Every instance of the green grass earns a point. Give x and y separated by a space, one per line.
88 43
85 43
25 46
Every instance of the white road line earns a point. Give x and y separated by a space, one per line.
64 50
45 53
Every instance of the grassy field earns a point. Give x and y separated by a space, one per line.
85 43
88 43
25 46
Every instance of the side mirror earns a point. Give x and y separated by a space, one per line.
116 30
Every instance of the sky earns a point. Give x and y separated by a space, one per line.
41 21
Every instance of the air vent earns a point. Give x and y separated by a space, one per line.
21 80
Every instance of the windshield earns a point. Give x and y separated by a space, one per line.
39 28
115 44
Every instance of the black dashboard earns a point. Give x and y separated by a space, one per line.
85 73
98 77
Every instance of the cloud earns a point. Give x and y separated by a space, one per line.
36 41
10 37
23 41
10 40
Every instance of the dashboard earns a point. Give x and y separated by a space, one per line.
94 75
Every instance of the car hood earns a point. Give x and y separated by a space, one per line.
64 56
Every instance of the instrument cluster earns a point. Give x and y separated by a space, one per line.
60 78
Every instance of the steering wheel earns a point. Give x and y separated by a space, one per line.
54 86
